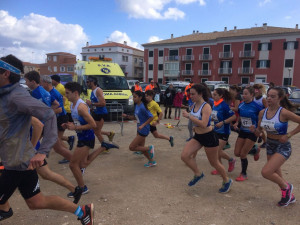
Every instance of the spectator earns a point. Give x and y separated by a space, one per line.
169 96
150 86
156 90
177 103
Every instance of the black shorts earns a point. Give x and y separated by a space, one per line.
60 121
70 117
88 143
209 139
245 135
26 181
152 128
98 117
223 137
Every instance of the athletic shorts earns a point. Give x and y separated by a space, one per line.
245 135
26 181
209 139
152 128
143 135
223 137
88 143
98 117
275 146
60 121
70 117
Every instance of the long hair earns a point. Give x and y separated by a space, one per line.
224 93
201 89
260 87
144 101
284 102
237 89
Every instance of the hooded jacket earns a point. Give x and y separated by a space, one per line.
17 107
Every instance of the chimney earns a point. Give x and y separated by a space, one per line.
296 26
197 31
265 26
234 29
225 28
171 36
87 44
125 42
193 31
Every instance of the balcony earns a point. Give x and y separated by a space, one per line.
245 71
205 57
187 58
247 54
172 58
187 72
204 72
225 71
138 64
171 73
225 55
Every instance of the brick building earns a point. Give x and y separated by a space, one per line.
58 62
258 54
31 67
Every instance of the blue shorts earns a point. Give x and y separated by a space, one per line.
275 146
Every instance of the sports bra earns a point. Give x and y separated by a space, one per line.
198 114
274 125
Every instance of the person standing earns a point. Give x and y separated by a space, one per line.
187 88
169 97
150 86
17 153
178 103
137 86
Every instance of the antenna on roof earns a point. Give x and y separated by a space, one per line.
256 25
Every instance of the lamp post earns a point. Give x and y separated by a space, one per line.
290 82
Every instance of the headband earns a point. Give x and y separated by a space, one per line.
7 66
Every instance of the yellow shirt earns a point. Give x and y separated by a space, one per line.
62 91
154 109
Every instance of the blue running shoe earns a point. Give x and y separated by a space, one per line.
171 141
196 179
109 145
138 153
63 161
226 186
150 164
151 151
71 140
5 215
85 190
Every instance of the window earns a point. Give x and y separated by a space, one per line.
245 80
150 66
62 69
88 50
54 58
135 71
188 66
205 66
226 48
265 46
263 64
287 81
150 53
226 64
49 58
160 53
49 68
70 68
205 50
290 45
160 66
135 60
189 51
288 63
84 58
203 80
226 79
247 47
109 49
160 80
124 58
246 63
54 68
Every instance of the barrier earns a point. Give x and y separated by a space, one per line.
115 111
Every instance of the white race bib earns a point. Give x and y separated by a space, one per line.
137 119
246 122
77 123
214 115
268 125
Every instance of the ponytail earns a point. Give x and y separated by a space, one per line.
285 103
224 93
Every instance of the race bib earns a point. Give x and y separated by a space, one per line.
77 123
214 115
268 125
137 119
246 122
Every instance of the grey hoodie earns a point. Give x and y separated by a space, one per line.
16 108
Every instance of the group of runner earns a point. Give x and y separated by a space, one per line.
211 119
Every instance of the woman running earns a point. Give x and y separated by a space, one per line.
222 116
248 116
143 117
204 136
274 120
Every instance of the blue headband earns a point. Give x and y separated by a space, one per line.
6 66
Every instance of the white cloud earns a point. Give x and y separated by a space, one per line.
264 2
150 9
30 37
153 39
288 17
201 2
120 37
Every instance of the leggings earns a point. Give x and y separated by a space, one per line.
179 110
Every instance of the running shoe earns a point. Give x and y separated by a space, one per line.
138 153
111 136
151 151
150 164
88 214
263 145
242 177
293 199
5 215
85 190
63 161
82 170
77 194
109 145
231 164
71 140
196 179
214 172
227 146
286 196
256 155
171 141
226 186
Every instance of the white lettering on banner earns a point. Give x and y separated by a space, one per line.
123 94
246 122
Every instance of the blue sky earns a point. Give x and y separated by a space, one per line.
32 28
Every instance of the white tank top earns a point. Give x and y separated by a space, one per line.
259 101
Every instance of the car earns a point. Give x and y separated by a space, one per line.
131 83
143 86
23 84
288 91
65 78
295 99
212 85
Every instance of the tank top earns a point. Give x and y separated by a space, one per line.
274 125
94 99
259 102
83 135
198 114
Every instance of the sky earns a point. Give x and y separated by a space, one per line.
30 29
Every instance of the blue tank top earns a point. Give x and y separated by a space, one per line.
41 94
94 99
220 113
83 135
274 125
198 114
55 95
249 115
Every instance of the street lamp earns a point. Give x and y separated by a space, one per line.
290 82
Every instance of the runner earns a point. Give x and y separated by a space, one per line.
83 125
17 153
99 111
155 110
143 117
248 115
188 104
274 119
204 136
222 116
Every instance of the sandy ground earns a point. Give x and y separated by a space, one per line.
126 193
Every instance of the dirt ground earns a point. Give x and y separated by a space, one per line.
124 192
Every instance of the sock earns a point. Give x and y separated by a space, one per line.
244 166
230 160
79 212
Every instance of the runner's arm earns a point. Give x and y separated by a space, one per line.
100 96
37 129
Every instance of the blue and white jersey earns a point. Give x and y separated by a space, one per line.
142 115
55 95
220 113
94 99
198 114
41 94
259 102
83 135
274 125
249 115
